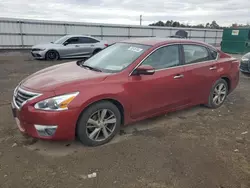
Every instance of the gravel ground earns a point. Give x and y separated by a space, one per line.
193 148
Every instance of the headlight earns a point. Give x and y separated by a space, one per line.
244 60
56 103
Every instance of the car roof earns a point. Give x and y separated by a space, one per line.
80 36
155 41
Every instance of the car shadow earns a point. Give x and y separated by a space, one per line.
64 148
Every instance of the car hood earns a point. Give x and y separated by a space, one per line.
62 75
45 46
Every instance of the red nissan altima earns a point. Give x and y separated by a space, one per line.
128 81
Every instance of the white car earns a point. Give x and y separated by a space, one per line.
69 46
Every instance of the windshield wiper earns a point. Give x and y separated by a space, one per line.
81 64
91 68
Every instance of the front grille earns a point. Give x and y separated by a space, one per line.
244 66
21 96
35 49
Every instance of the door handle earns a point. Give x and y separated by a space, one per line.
213 68
92 45
178 76
77 46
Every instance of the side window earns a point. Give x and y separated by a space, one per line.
87 40
213 54
73 40
195 54
164 57
248 35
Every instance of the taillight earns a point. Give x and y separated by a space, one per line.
106 45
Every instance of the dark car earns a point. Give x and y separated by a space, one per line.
126 82
176 36
245 64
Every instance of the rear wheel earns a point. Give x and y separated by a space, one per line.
218 94
52 55
98 124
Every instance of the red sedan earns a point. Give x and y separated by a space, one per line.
128 81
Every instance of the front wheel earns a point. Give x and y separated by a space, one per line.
218 94
52 55
98 124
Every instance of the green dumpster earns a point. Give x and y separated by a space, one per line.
236 40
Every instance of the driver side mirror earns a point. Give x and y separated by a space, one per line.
144 70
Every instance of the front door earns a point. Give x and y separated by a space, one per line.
71 48
87 46
164 90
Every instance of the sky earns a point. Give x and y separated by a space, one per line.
224 12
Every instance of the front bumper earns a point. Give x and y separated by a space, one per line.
38 54
31 121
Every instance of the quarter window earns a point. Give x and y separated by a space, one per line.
213 54
164 57
195 53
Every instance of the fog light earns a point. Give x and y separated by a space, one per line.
46 130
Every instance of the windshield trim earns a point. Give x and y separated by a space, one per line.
60 39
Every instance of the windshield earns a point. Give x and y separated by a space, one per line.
61 40
117 57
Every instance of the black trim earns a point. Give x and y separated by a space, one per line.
182 54
210 53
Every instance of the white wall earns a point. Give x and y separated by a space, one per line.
16 33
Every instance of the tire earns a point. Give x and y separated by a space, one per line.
247 75
52 55
90 129
219 89
96 51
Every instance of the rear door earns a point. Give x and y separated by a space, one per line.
164 90
87 45
201 71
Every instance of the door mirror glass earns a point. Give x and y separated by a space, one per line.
144 70
65 43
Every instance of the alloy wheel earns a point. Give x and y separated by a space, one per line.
101 124
219 94
52 55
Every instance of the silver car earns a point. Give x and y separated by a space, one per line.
69 46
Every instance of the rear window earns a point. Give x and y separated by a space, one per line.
213 53
195 54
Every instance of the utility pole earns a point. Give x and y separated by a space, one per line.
140 19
